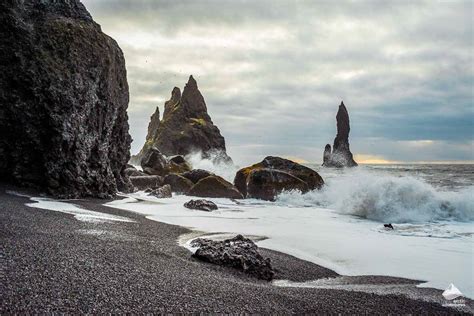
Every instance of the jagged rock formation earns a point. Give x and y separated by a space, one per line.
186 126
268 178
63 100
341 155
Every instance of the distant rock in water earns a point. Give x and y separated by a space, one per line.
64 98
186 127
341 155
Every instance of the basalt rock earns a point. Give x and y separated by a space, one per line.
154 163
161 192
216 187
186 127
178 183
239 253
268 178
146 182
197 174
266 184
202 205
63 101
341 155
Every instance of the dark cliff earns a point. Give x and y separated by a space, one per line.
63 100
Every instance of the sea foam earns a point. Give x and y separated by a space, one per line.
387 198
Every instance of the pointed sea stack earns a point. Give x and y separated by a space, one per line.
341 155
186 127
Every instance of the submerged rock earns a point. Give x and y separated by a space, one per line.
64 98
268 178
341 155
239 253
186 127
162 192
216 187
202 205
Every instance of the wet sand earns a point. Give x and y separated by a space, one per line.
53 262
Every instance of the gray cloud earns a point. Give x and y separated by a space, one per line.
273 72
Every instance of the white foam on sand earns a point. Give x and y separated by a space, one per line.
78 212
440 254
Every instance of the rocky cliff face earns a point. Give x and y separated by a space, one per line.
186 126
341 155
63 100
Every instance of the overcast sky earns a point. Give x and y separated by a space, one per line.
274 72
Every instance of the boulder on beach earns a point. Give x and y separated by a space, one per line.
202 205
216 187
239 253
64 98
341 155
196 174
185 128
132 171
178 183
268 178
146 182
155 163
161 192
266 184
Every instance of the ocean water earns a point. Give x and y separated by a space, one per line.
341 226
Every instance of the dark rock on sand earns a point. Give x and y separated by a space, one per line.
178 183
215 186
266 179
146 182
162 192
341 155
239 252
186 126
202 205
197 174
64 98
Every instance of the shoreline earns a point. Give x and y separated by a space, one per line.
48 256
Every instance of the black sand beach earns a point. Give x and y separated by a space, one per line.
52 262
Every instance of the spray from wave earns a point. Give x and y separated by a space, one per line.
213 162
386 198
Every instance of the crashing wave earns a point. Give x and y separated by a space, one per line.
387 198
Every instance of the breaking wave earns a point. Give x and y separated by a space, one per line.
214 163
387 198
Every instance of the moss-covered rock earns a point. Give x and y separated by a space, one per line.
215 186
186 127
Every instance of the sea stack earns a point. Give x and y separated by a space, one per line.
186 127
341 155
63 101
